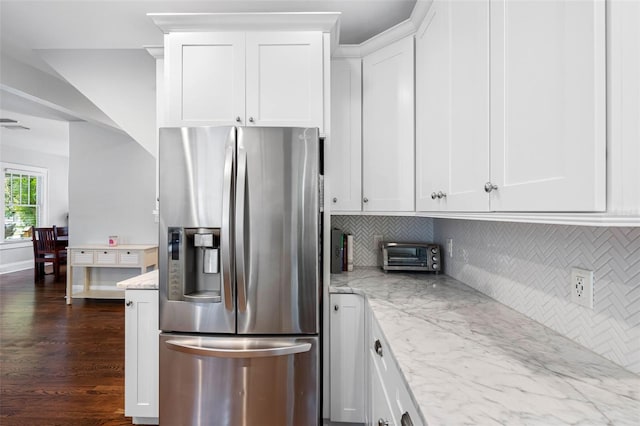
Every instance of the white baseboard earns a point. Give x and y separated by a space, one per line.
16 266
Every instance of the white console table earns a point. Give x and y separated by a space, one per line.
142 257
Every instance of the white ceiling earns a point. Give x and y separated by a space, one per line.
26 26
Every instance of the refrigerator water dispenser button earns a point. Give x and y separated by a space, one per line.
211 261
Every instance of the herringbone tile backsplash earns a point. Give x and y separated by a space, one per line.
391 228
528 267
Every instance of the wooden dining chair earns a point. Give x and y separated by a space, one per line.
46 250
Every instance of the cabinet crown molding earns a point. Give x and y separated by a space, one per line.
327 22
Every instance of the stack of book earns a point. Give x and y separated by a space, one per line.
341 251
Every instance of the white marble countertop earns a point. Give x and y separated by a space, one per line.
148 281
469 360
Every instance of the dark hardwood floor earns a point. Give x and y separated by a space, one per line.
60 364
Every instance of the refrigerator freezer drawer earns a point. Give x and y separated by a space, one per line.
238 380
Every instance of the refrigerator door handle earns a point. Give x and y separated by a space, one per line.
240 217
226 230
228 351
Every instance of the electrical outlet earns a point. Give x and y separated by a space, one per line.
377 239
450 246
582 287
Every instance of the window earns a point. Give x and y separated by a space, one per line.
24 196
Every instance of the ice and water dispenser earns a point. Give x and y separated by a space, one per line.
194 264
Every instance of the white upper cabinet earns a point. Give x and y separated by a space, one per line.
245 78
284 79
345 152
548 105
388 128
452 107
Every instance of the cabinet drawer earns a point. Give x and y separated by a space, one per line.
129 257
106 257
399 395
82 257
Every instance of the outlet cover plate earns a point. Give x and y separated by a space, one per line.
582 287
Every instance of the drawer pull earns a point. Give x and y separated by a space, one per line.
128 252
383 422
378 347
129 303
405 420
105 252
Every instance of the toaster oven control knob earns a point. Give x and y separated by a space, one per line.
434 258
435 266
488 187
434 195
434 250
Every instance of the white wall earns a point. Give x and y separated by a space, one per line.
25 147
112 191
111 187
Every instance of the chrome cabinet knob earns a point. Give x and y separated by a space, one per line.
366 200
251 120
335 200
336 308
238 119
434 195
488 187
441 194
383 422
129 303
378 347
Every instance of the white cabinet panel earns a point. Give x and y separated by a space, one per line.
345 154
548 105
347 358
452 107
238 78
141 355
388 128
206 78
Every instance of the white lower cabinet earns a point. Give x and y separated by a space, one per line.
390 401
347 358
141 356
366 383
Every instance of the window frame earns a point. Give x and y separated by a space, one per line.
43 203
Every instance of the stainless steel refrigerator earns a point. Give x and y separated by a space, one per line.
239 276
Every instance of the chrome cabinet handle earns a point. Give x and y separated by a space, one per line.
405 420
488 187
238 119
383 422
441 194
366 200
335 200
378 347
129 303
251 120
434 195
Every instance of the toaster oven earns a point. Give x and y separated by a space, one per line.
410 257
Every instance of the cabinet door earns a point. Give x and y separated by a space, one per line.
347 358
345 152
205 79
388 128
381 412
548 105
284 79
452 107
141 353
